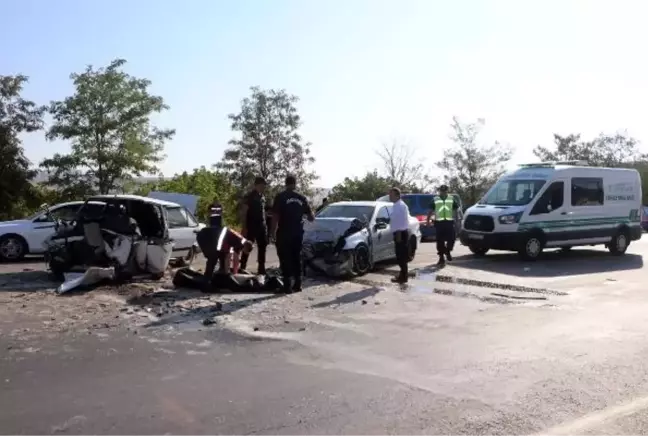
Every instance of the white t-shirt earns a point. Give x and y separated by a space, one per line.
399 217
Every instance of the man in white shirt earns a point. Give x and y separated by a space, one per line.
399 223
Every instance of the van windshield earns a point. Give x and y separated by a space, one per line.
513 192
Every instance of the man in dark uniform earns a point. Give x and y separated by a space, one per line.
443 210
216 214
254 223
323 205
217 243
289 208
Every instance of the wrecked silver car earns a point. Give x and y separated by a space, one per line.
125 235
349 237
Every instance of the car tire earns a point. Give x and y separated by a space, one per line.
13 248
532 247
361 259
619 243
478 251
411 248
187 260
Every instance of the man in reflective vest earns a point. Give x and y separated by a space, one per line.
442 211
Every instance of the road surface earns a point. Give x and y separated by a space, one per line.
484 346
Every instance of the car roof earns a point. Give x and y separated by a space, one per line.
135 198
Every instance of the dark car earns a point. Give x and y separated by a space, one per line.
419 207
644 218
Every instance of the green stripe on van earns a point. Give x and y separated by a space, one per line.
581 222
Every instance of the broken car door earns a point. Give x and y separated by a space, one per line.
44 226
182 228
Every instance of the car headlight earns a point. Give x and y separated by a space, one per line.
510 218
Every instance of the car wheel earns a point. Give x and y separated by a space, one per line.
361 259
12 248
619 243
411 247
188 259
532 247
477 250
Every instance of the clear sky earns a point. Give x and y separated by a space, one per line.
366 71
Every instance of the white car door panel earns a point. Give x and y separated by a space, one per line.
383 237
43 227
182 227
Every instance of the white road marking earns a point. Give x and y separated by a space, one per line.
597 419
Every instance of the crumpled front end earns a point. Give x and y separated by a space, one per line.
329 245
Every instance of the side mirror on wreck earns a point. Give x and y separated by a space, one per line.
381 223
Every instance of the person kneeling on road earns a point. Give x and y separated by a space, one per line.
222 245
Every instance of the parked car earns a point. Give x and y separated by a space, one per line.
419 207
348 237
21 237
644 218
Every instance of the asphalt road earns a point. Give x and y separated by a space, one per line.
484 346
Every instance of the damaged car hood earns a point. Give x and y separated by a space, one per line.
326 229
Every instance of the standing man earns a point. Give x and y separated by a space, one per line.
442 211
216 214
289 208
323 205
400 228
254 223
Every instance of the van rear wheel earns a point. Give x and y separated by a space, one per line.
619 243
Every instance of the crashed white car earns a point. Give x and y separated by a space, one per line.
349 237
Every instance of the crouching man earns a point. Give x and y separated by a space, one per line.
224 246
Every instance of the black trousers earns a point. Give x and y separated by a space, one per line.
445 237
289 251
401 245
207 239
260 238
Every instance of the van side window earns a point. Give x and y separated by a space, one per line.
552 199
586 191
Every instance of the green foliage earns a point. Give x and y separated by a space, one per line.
471 168
619 149
108 123
17 115
209 185
369 188
268 144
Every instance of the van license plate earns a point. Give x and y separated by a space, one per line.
475 236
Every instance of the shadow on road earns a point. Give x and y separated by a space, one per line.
349 298
26 281
552 263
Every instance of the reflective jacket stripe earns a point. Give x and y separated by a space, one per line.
221 238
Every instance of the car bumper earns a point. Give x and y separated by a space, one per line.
509 241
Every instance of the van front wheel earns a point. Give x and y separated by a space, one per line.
619 243
532 247
477 250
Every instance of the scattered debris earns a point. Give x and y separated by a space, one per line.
209 321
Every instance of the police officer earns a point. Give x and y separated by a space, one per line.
442 211
289 208
254 223
216 214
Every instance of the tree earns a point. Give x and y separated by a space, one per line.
401 165
17 116
205 183
268 144
108 122
619 149
370 187
471 168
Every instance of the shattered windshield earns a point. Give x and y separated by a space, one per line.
512 192
362 213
